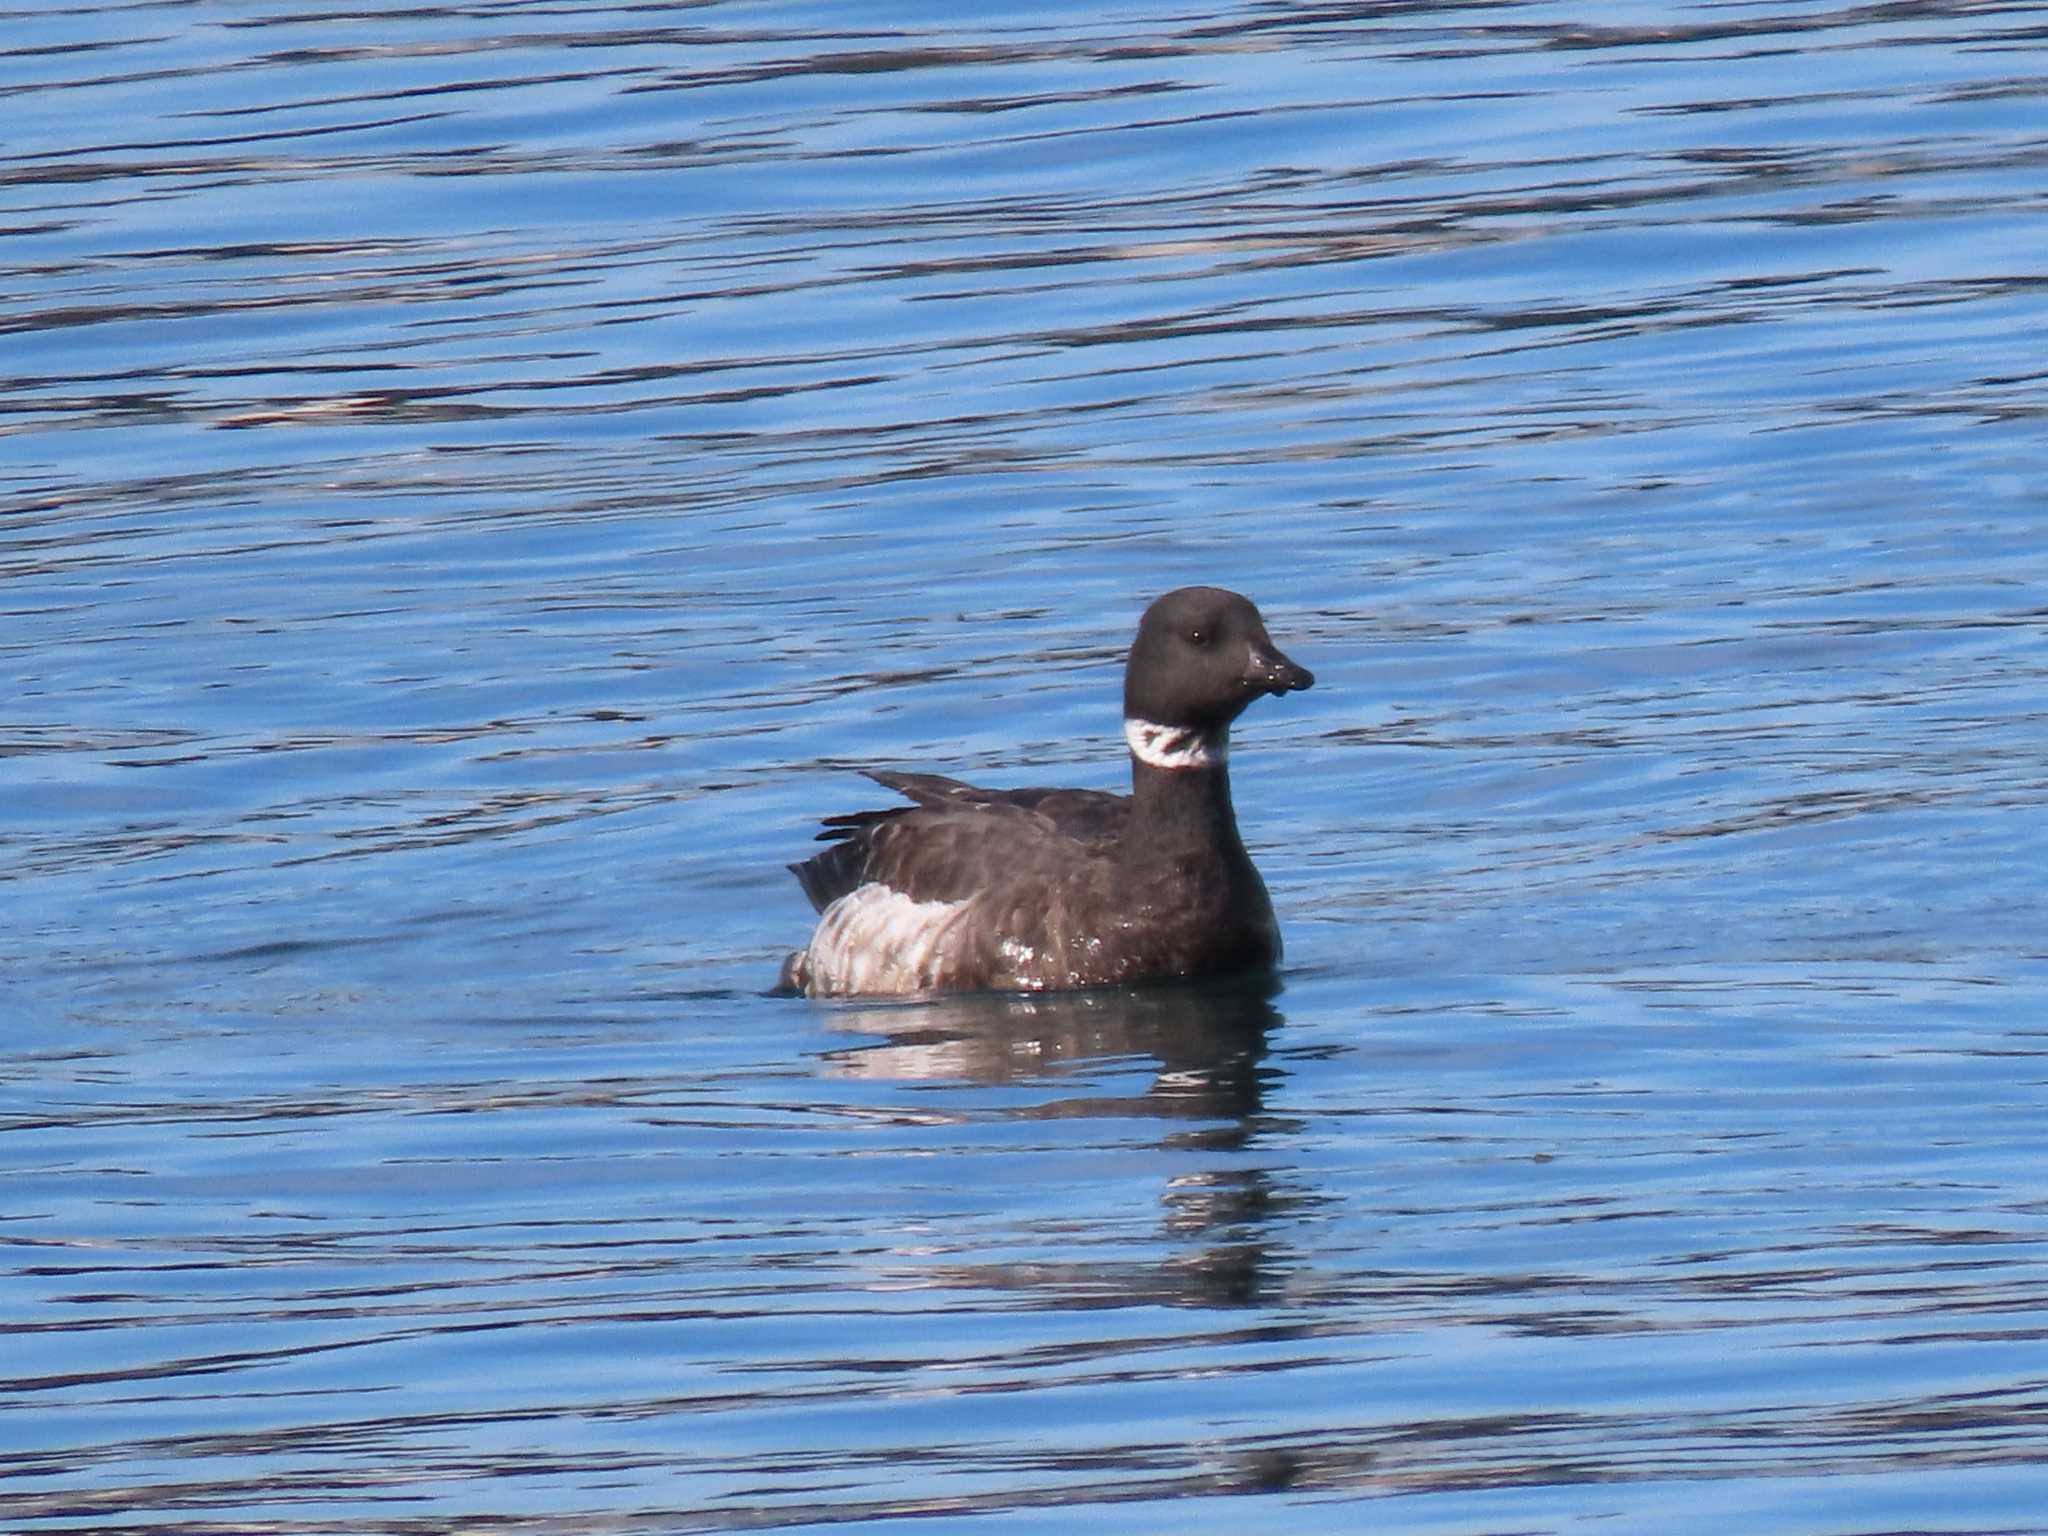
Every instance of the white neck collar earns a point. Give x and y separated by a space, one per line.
1175 746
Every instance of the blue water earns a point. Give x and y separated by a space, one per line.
474 483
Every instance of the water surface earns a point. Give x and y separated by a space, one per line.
474 481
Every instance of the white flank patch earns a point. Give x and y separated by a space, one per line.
1175 746
878 942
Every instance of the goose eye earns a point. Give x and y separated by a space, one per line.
1198 637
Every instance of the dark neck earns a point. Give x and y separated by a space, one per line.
1178 811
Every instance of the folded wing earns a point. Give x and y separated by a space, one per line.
955 839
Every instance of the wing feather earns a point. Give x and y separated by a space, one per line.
956 839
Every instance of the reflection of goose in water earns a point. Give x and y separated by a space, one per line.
1037 890
1219 1208
1206 1038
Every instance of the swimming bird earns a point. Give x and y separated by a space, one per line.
1031 890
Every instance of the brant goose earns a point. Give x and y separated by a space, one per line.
1031 890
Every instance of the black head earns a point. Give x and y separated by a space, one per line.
1202 654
